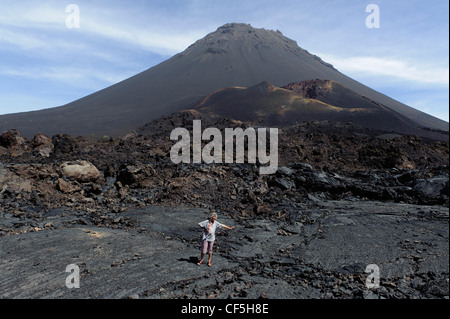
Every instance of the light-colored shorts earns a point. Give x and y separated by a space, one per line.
206 246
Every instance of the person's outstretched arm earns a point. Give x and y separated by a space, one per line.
225 226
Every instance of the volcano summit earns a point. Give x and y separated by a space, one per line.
234 55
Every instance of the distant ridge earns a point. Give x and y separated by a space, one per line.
311 100
235 54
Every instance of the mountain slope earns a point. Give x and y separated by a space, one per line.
311 100
233 55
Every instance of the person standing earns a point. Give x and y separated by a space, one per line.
209 227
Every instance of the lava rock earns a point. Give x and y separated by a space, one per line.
81 171
42 145
12 139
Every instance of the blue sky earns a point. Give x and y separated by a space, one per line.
43 63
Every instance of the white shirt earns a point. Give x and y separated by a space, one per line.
209 236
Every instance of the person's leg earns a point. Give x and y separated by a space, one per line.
203 248
209 260
201 259
210 247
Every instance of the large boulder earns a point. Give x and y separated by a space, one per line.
137 175
80 171
434 187
42 145
12 182
12 139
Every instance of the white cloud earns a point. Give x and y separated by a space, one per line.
76 77
390 69
19 39
23 14
22 25
161 43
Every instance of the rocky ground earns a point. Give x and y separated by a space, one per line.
342 199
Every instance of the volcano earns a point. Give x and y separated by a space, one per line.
313 100
235 55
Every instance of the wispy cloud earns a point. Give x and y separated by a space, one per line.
162 43
27 15
77 77
23 26
391 69
19 39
